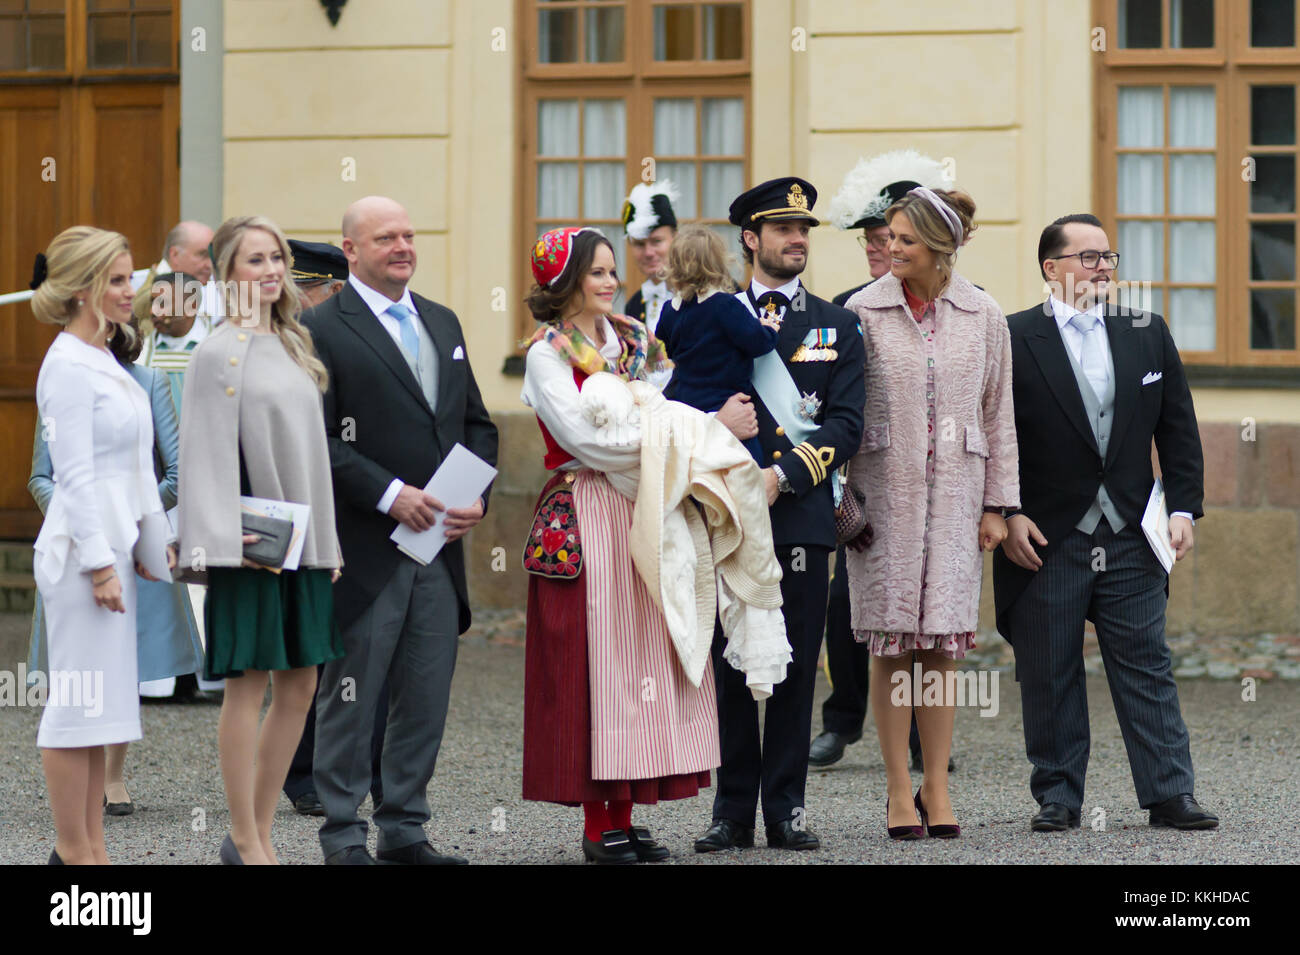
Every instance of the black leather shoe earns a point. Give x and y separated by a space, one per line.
646 847
418 853
783 835
828 748
308 804
352 855
725 834
1054 817
614 848
1182 812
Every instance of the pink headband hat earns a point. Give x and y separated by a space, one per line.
945 210
552 252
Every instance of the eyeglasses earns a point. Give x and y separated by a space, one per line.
875 241
1091 258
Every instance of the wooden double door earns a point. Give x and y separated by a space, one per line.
88 144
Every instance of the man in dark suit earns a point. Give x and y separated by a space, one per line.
1094 385
821 358
401 395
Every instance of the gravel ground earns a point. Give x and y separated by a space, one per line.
1245 755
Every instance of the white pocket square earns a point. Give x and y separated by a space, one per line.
459 355
1152 376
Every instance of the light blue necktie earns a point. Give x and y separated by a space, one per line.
1090 357
410 338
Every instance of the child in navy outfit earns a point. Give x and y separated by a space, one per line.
711 338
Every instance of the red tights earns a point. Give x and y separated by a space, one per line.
599 817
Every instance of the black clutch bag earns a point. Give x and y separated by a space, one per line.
273 538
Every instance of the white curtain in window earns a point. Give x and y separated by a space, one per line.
674 133
557 127
1142 253
604 127
1191 185
1191 318
1191 252
1141 185
1191 116
602 190
723 127
557 190
1141 117
722 182
682 176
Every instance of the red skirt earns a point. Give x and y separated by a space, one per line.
557 704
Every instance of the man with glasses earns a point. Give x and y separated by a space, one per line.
1093 386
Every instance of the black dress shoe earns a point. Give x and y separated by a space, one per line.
646 847
352 855
308 804
725 834
1182 812
54 858
1054 817
828 748
614 848
418 853
784 835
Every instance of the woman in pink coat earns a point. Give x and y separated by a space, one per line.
937 465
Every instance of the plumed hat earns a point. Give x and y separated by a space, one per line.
648 207
875 184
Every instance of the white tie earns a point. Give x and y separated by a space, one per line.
1090 357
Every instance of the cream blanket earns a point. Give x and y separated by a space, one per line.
694 563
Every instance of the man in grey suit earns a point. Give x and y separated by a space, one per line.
401 395
1093 387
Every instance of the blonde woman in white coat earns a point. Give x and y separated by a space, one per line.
99 427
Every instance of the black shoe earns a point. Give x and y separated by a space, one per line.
229 854
118 808
1182 812
645 846
725 834
614 848
308 804
828 749
54 858
784 835
352 855
1054 817
418 853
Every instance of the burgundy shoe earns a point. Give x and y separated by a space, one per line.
939 832
901 832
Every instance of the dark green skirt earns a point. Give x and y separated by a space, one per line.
257 620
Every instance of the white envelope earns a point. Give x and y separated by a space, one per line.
1155 524
459 481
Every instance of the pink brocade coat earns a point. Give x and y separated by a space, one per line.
976 460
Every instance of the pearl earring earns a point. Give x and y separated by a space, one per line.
80 302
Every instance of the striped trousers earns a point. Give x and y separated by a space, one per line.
1115 581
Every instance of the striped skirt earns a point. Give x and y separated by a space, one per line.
608 711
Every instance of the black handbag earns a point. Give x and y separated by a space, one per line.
273 538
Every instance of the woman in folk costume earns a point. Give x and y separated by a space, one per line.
610 717
938 464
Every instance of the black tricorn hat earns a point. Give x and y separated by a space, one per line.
888 196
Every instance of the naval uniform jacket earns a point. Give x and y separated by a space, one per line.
806 514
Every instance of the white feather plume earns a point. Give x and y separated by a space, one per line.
644 221
861 193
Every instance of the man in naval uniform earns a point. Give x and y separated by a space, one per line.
809 399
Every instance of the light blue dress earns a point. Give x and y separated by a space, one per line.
167 640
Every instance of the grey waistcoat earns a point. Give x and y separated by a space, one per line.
1101 415
426 369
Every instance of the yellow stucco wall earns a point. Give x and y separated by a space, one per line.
420 96
412 99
